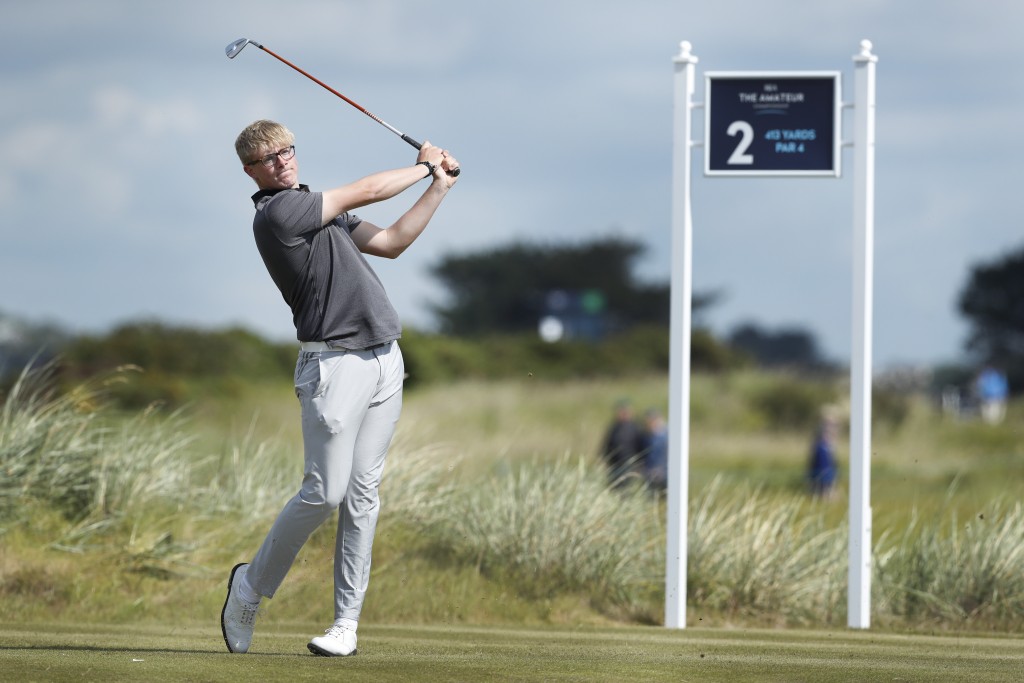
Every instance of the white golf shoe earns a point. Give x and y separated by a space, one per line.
238 618
337 641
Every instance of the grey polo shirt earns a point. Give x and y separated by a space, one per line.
334 294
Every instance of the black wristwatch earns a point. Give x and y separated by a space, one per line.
429 166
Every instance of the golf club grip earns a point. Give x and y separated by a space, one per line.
417 145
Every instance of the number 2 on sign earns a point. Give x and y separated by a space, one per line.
746 132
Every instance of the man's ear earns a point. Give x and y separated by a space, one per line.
249 171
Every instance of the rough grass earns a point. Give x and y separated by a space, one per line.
495 511
556 527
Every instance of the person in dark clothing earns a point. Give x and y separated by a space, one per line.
623 445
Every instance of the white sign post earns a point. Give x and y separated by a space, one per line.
679 340
806 144
858 597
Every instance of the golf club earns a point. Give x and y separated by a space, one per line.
234 48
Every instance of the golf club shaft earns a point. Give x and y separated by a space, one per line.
355 104
234 48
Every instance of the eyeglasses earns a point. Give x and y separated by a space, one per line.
269 160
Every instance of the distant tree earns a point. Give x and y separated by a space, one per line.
992 300
790 347
507 289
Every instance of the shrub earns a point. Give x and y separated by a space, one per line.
791 403
176 363
641 350
889 408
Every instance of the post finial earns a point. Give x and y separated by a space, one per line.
865 52
685 55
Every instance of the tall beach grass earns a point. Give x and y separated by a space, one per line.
138 490
956 571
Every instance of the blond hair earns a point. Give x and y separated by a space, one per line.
259 136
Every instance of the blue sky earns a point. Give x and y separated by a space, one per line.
121 198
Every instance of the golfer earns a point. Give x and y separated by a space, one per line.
348 377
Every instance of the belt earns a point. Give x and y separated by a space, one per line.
325 346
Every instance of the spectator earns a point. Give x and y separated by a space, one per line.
822 468
656 451
623 444
992 390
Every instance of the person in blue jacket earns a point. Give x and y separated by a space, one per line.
822 468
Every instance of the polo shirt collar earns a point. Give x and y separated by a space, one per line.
266 194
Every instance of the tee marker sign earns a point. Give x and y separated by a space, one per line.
783 123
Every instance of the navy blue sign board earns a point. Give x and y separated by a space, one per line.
782 123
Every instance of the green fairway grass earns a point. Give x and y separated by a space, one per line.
49 652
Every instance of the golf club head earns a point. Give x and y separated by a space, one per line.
236 47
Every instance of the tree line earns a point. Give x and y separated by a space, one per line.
611 322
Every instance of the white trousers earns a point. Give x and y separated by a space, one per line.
351 401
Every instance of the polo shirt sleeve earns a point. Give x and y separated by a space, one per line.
294 214
348 222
